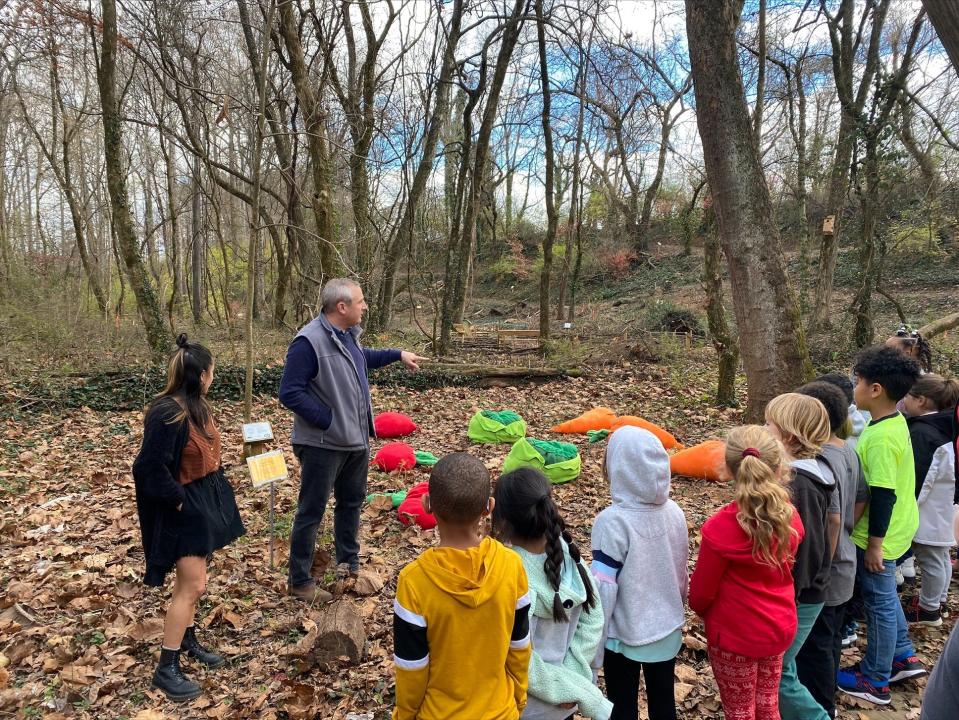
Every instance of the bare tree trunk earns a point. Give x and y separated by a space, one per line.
862 303
885 99
760 77
649 196
454 290
197 247
829 241
774 350
551 213
5 268
316 144
172 233
284 155
944 15
434 127
143 289
255 211
842 28
727 348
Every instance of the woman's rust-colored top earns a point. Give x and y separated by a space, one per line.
201 455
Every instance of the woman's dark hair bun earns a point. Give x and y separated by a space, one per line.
181 340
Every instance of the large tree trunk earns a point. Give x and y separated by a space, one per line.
774 350
551 213
944 15
143 290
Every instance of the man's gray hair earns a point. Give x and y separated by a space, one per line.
335 291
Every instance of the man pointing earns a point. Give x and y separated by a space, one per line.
325 385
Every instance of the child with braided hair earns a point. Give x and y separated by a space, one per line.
566 622
912 344
640 552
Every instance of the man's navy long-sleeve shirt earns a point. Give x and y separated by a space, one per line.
302 366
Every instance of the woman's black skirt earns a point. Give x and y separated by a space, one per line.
208 521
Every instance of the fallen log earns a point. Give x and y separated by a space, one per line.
495 371
937 327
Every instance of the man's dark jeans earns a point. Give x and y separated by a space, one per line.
322 471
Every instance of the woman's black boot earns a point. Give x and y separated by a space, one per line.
192 647
170 679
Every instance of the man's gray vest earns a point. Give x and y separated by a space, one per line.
337 386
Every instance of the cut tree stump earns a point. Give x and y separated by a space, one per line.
338 633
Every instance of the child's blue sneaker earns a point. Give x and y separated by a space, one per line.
905 667
852 682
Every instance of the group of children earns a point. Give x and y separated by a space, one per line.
482 631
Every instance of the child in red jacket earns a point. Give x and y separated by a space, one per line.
742 586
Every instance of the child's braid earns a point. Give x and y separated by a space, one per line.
583 572
554 553
924 352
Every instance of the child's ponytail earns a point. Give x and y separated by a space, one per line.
754 458
525 510
942 392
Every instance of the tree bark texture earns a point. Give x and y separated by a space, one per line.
723 340
944 15
143 290
774 351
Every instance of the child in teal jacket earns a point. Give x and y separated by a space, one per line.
567 620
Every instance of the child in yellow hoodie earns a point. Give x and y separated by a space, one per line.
461 615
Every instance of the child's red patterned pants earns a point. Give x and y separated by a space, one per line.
748 687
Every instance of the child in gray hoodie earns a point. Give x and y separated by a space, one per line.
640 552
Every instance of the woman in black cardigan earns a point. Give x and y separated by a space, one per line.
186 507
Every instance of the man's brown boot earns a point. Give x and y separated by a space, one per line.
309 593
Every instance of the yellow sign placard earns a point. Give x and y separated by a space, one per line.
267 468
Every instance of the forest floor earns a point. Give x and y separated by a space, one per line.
79 633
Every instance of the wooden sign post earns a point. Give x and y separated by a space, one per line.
266 468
